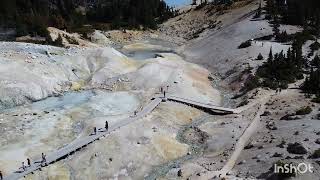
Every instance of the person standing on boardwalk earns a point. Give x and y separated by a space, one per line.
28 162
94 130
23 166
106 125
44 160
1 177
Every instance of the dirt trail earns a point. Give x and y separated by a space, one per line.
252 128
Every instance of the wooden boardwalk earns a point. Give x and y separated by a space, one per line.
80 143
202 105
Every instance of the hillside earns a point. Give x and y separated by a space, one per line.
29 17
224 90
211 37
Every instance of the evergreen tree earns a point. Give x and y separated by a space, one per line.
316 62
270 58
280 69
33 16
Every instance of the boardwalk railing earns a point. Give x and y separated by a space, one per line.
80 143
201 104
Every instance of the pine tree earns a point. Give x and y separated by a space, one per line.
270 58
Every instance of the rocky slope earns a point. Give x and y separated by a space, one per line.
276 136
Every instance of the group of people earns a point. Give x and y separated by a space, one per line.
43 162
162 90
28 164
25 166
278 90
106 126
43 156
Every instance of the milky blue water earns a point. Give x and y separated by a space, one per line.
178 2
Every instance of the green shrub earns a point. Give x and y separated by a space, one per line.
303 36
282 69
251 83
83 30
315 46
284 37
304 111
316 62
260 57
243 103
316 99
58 42
264 38
283 85
244 44
311 84
72 40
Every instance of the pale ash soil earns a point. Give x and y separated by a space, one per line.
217 50
78 88
173 142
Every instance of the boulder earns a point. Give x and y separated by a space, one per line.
296 148
179 173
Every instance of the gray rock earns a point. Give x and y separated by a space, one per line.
276 154
296 148
242 162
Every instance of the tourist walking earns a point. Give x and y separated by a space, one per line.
94 130
106 125
1 177
23 166
28 162
164 94
44 159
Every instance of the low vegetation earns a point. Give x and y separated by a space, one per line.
315 46
244 44
296 148
58 42
304 110
33 17
316 99
264 38
260 57
312 83
72 40
315 62
280 69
